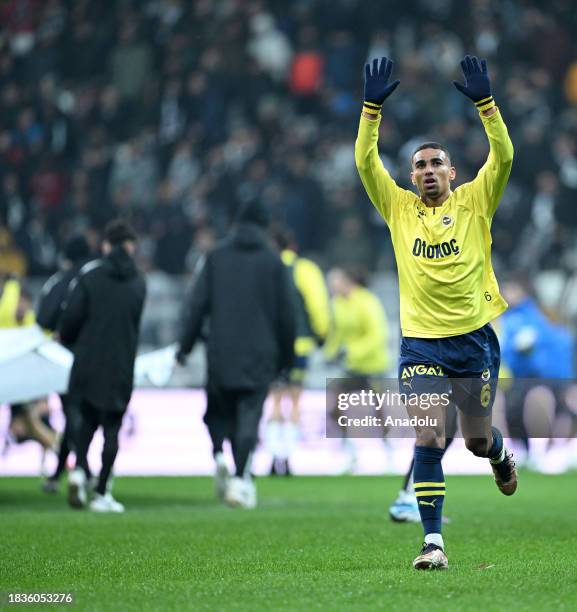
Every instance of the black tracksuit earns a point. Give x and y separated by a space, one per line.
101 322
48 316
245 294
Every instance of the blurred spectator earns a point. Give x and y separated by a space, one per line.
12 260
350 246
48 189
183 169
37 241
342 61
119 106
302 203
269 47
306 76
133 180
171 231
13 207
131 64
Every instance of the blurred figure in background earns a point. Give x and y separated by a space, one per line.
313 318
538 353
358 337
15 304
111 105
50 307
28 421
244 293
12 259
101 321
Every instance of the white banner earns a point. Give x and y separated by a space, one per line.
33 366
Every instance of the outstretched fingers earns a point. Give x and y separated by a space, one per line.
382 70
386 68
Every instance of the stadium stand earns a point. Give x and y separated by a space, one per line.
173 112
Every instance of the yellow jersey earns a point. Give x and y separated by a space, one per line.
314 311
9 301
360 329
446 280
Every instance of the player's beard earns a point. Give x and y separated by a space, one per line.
432 190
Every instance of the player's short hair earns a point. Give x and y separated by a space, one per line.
254 211
77 249
119 231
282 237
431 145
357 274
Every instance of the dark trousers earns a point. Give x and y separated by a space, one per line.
68 441
90 419
234 414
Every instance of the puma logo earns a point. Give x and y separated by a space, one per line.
426 503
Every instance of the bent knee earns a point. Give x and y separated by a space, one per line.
430 438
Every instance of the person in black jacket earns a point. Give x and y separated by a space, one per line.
75 254
244 293
101 322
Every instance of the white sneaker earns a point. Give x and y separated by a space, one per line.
105 503
405 509
221 476
241 493
77 496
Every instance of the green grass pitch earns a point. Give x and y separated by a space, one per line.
312 544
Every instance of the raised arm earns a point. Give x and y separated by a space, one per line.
491 180
380 187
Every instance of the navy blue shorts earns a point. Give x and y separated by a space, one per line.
465 366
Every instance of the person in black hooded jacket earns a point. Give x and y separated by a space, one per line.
101 322
75 254
244 293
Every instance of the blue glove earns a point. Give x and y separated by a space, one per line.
477 86
377 86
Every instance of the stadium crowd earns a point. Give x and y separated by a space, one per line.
172 112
